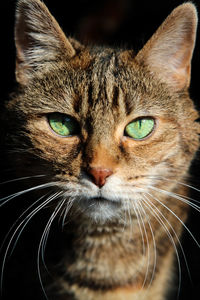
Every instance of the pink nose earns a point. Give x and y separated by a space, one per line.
99 175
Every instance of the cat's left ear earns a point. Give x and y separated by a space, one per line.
169 52
39 39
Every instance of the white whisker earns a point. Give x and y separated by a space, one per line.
19 218
129 217
140 228
174 232
66 210
171 194
154 245
175 181
20 229
180 197
21 179
125 217
38 187
148 248
148 204
42 244
53 197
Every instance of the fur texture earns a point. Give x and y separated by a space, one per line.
121 237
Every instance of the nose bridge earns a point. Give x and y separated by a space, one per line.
100 144
102 157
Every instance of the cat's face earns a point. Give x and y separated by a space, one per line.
106 129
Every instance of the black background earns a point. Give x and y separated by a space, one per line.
133 22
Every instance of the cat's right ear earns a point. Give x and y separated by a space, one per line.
39 39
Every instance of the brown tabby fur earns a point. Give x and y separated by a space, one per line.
105 89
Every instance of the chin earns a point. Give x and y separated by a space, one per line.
99 210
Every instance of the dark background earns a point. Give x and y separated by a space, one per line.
116 23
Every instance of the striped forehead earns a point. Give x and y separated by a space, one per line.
102 77
103 87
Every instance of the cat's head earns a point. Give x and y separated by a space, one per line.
105 126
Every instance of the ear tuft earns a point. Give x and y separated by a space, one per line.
38 38
169 52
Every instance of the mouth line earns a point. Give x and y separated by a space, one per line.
99 207
102 200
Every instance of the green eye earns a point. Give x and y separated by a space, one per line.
63 125
140 128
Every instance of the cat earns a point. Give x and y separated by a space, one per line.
103 140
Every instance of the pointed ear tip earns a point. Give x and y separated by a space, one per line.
189 5
28 4
187 8
22 2
27 1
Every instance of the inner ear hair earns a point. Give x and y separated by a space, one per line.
169 52
38 38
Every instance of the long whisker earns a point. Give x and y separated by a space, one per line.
174 232
138 214
21 228
140 227
54 197
44 204
38 187
171 194
125 216
42 243
154 245
175 181
21 179
66 210
26 221
180 197
19 218
148 204
129 217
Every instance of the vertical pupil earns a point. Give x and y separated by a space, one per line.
140 123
